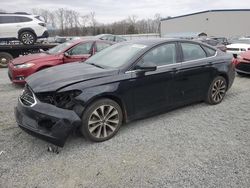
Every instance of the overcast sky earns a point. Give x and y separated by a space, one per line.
108 11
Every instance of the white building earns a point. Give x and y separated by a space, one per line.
227 23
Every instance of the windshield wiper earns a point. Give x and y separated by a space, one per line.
99 66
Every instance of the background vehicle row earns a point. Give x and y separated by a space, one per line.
68 52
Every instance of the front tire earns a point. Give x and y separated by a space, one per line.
217 90
101 120
27 38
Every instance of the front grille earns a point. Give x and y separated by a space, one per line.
243 67
27 97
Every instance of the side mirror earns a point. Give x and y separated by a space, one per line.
145 68
66 54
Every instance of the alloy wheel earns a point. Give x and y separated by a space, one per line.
27 38
218 90
103 121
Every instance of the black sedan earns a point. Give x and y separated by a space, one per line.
124 82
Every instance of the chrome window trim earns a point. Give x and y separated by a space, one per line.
201 58
180 63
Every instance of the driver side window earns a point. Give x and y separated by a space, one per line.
81 49
159 56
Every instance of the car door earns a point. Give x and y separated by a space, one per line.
195 73
80 52
152 91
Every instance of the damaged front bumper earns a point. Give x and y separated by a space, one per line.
47 121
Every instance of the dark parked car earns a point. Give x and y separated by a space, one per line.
124 82
72 51
242 63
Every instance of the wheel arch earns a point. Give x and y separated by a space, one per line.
117 99
224 75
26 29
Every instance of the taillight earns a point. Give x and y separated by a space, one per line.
42 24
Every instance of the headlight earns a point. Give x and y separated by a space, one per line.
25 65
64 100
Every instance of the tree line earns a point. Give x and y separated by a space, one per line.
66 22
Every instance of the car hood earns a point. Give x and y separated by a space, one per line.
33 58
57 77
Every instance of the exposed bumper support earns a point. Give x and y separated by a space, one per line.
47 121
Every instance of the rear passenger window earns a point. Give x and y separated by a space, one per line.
210 51
119 39
7 19
22 19
159 56
192 51
101 46
81 49
14 19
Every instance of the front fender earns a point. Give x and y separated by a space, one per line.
90 94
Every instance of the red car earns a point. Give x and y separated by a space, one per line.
68 52
242 63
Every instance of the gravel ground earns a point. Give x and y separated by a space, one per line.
194 146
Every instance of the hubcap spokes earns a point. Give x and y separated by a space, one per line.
218 90
103 121
28 39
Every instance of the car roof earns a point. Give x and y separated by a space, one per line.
100 35
88 39
156 41
16 14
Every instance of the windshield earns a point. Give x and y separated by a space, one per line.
116 55
60 48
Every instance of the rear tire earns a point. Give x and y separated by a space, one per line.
5 58
101 120
217 90
27 38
